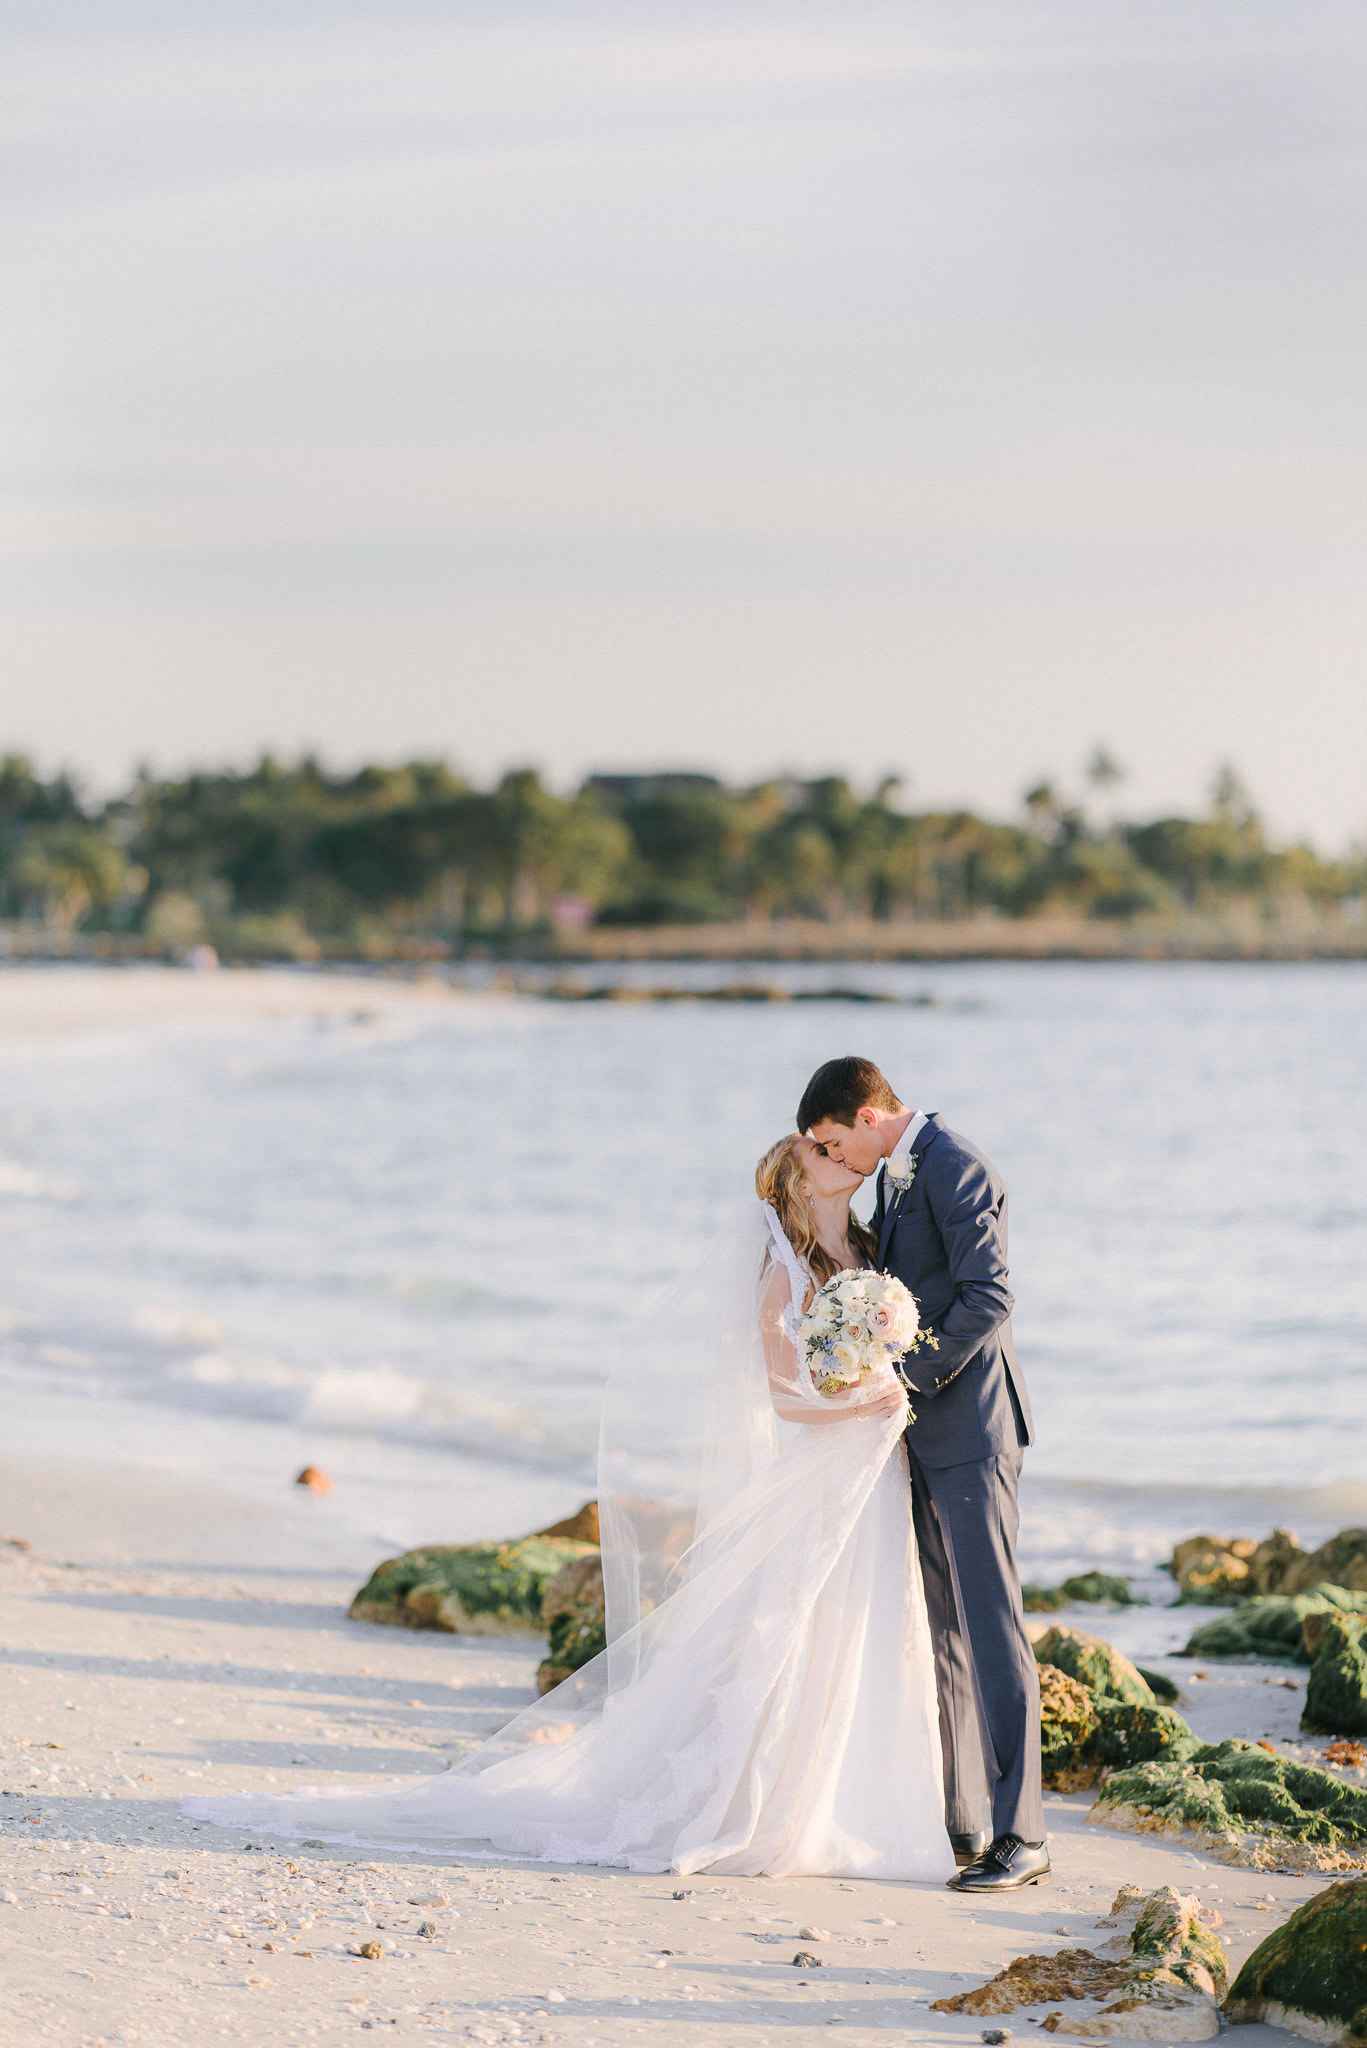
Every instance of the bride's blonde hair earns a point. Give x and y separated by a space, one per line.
778 1181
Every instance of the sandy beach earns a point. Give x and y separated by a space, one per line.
72 998
161 1640
174 1611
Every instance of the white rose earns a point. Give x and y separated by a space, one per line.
899 1166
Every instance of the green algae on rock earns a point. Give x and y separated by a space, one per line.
1336 1697
1090 1588
1160 1685
1068 1722
1038 1599
1271 1628
574 1611
1096 1664
481 1589
1085 1731
1160 1974
1311 1974
1245 1806
1128 1734
1096 1587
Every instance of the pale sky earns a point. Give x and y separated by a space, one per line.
933 389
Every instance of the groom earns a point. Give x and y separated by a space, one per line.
940 1225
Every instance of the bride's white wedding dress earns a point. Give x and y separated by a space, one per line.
774 1710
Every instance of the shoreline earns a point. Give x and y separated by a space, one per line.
909 942
41 998
61 996
163 1639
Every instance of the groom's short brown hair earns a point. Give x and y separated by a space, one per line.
841 1088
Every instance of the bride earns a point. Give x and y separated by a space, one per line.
766 1704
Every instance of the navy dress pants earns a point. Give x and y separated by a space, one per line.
966 1519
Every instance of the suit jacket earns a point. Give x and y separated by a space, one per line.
945 1238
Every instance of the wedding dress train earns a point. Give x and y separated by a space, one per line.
766 1705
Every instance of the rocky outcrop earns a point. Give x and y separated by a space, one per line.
1272 1627
482 1589
1244 1805
1093 1663
1038 1599
1097 1713
580 1527
1342 1561
1087 1588
1157 1977
1336 1697
1214 1570
1098 1587
573 1611
1068 1723
1311 1975
1129 1734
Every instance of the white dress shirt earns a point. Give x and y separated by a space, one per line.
918 1122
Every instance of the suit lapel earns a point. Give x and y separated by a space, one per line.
925 1137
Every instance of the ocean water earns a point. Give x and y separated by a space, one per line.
405 1247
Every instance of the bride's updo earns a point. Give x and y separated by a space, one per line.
778 1181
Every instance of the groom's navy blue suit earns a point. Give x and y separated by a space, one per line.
945 1237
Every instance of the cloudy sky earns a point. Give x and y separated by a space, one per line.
937 388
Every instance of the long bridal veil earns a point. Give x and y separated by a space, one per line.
721 1686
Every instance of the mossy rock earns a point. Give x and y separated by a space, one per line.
574 1612
1083 1734
1128 1734
1170 1938
1213 1571
1162 1687
1249 1806
1068 1722
1271 1629
1311 1974
1342 1561
1086 1587
1095 1587
1336 1697
1093 1663
1161 1971
481 1589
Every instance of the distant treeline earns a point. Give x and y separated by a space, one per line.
293 861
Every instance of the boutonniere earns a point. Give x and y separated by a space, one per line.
901 1172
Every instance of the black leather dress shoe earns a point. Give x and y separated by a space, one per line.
1009 1864
968 1848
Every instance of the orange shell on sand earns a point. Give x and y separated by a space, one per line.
315 1478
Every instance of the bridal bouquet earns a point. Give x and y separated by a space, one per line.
857 1324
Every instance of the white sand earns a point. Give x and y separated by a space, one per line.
161 1640
67 998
